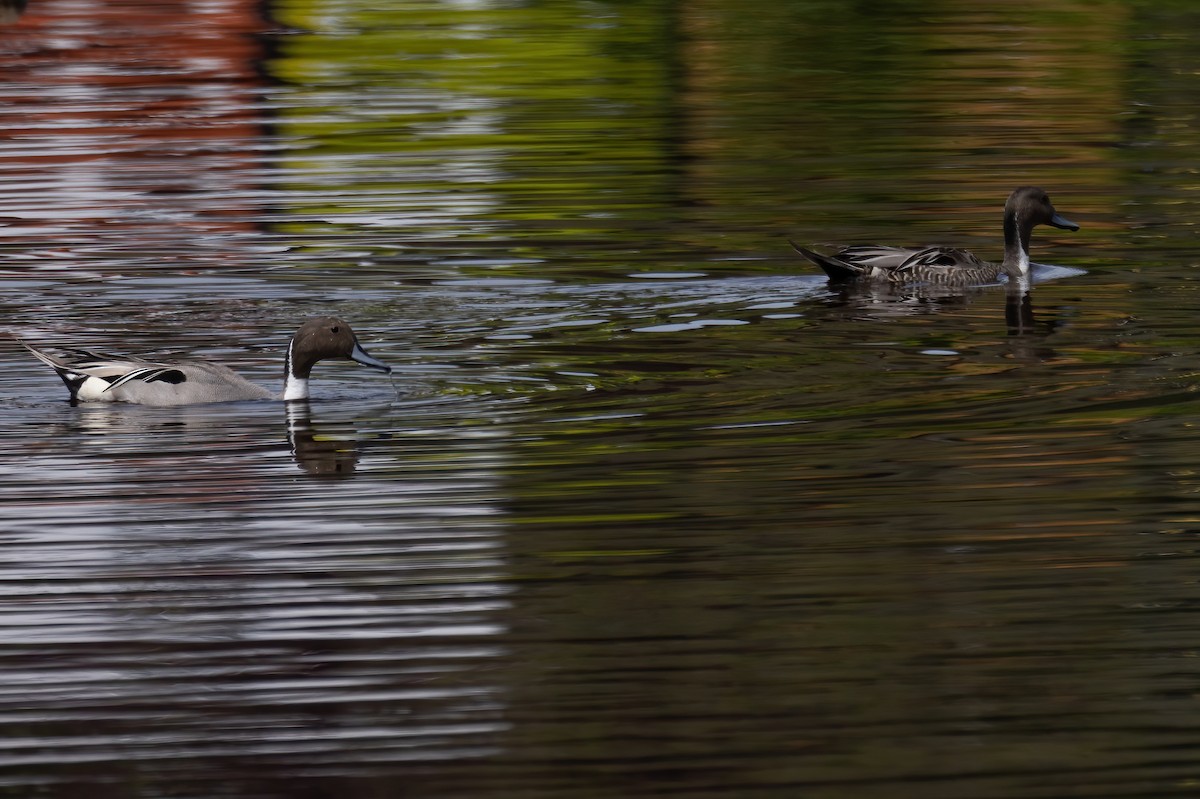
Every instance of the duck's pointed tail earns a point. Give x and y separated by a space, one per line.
838 271
71 379
44 357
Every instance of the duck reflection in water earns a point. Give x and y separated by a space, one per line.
873 301
1018 311
320 449
326 450
884 300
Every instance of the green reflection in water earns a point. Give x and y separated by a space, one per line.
711 128
545 112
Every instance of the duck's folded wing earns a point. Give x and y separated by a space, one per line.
935 258
76 366
875 256
851 263
117 371
150 374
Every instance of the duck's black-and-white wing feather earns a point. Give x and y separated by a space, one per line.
88 374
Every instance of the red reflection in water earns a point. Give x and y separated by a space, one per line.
116 112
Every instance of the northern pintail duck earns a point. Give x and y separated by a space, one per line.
97 377
1026 208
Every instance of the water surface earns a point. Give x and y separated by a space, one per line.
648 508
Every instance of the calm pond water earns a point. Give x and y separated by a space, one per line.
647 508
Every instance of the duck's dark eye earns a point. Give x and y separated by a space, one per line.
334 329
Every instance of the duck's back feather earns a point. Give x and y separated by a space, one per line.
941 265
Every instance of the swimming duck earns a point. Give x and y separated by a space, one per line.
97 377
1027 207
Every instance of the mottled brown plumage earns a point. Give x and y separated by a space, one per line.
1026 208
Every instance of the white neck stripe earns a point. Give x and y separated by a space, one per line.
294 388
1023 259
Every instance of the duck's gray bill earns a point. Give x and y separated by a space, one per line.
360 355
1065 224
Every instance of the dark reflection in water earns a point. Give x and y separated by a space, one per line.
1018 312
199 604
11 10
321 451
658 510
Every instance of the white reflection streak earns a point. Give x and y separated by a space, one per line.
205 574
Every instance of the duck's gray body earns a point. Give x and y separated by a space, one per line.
1026 208
98 377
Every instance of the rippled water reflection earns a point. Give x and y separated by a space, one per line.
648 508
